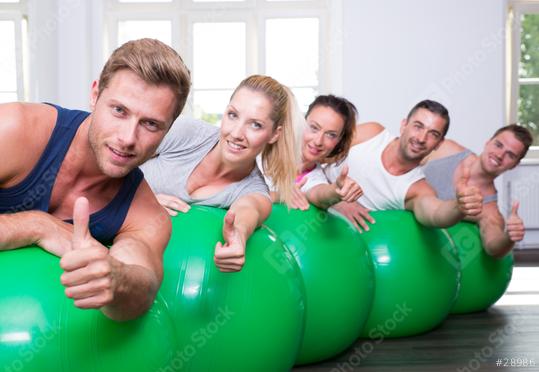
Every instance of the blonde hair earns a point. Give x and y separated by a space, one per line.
279 160
154 62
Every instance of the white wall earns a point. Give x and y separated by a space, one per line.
65 50
42 50
397 53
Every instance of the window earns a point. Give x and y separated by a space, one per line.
12 30
523 26
224 41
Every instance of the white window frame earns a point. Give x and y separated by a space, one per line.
184 13
17 12
516 9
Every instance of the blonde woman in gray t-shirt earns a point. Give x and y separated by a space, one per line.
201 164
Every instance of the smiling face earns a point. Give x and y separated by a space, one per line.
246 127
322 134
420 134
129 120
501 153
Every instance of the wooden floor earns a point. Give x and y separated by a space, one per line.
471 342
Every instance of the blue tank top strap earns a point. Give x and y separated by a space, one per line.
490 198
34 192
105 223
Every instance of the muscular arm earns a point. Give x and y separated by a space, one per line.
24 132
428 209
19 229
496 241
138 257
121 281
31 125
35 227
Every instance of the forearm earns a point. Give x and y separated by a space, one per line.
247 220
323 196
134 293
433 212
20 229
496 241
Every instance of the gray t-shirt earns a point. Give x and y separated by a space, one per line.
183 148
440 173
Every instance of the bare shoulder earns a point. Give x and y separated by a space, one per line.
24 132
366 131
419 188
12 117
447 148
26 120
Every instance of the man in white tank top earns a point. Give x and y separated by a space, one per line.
388 170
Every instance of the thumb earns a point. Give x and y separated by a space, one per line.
514 208
81 218
228 226
342 175
229 218
465 177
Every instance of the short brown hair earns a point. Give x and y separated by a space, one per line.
154 62
521 133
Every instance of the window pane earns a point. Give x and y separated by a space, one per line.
209 105
8 97
292 51
529 46
218 55
8 69
304 96
131 30
528 109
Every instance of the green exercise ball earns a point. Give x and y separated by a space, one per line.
338 276
41 329
416 272
483 278
251 320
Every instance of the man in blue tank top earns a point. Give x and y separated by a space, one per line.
69 182
502 152
388 170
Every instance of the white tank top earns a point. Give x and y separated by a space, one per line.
381 190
